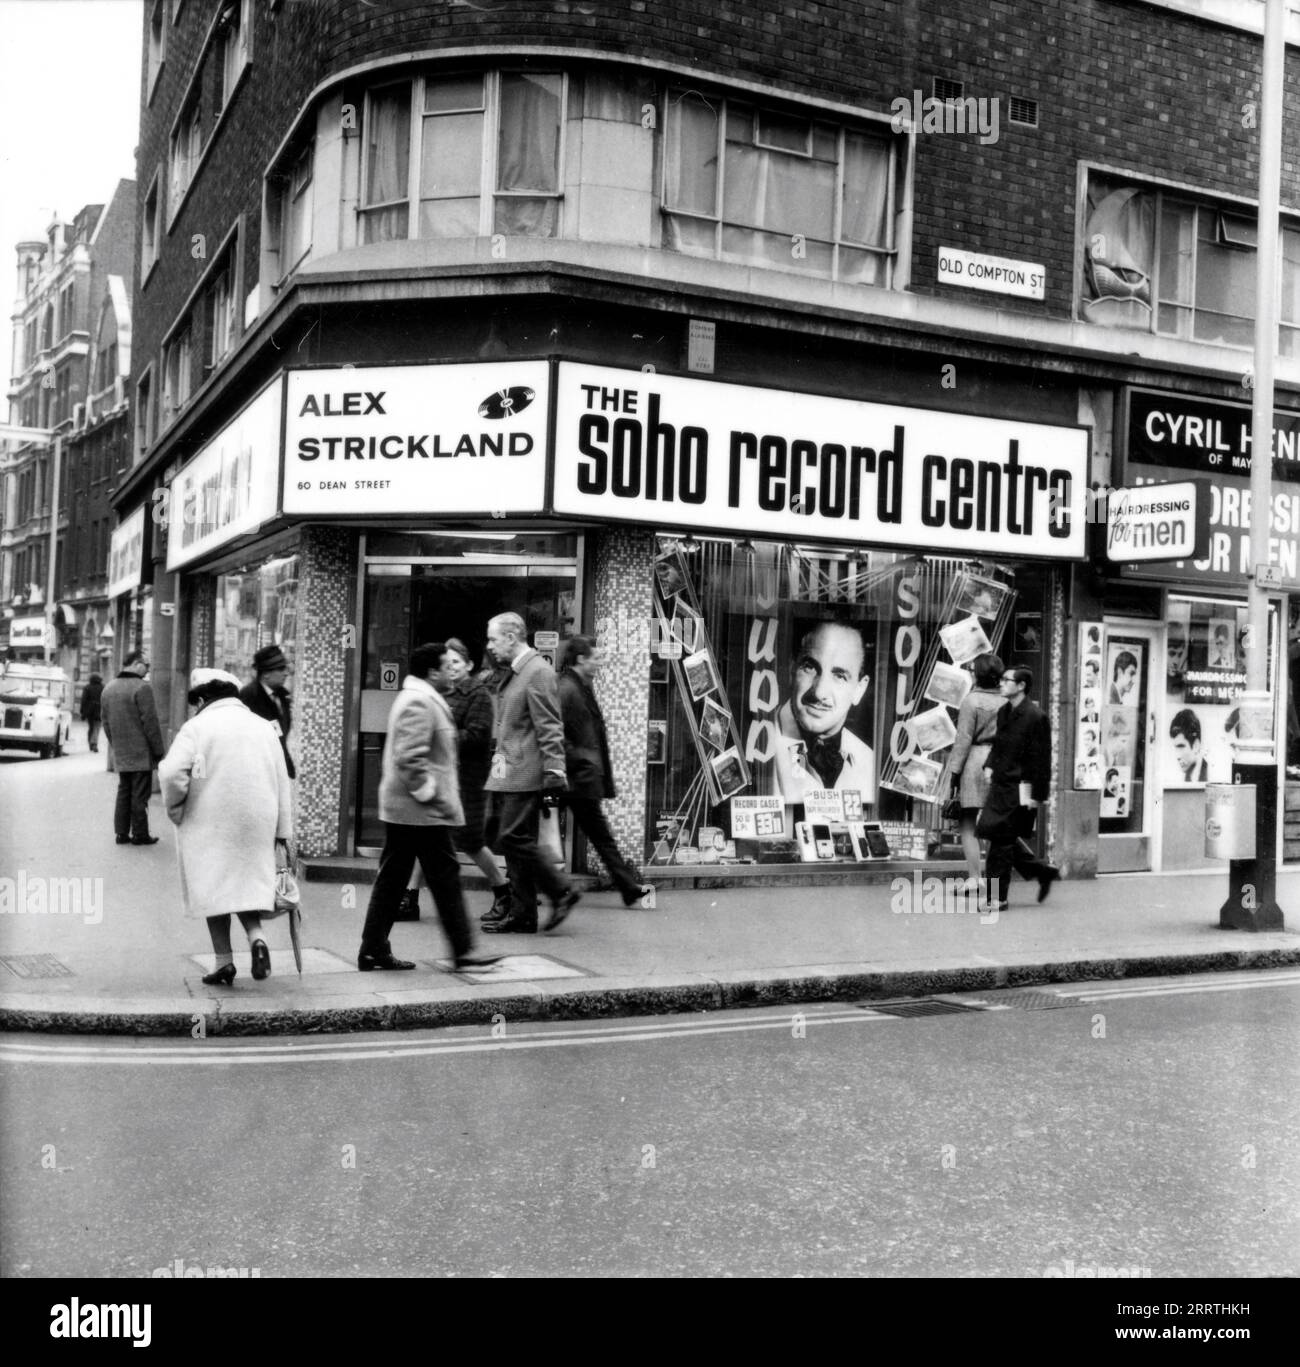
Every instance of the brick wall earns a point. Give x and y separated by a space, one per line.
623 578
324 651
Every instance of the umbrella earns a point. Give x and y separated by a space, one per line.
295 936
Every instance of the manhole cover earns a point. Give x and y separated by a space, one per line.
1034 1001
36 966
925 1006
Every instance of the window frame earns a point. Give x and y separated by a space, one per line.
145 430
229 75
155 61
1169 197
154 230
489 193
837 243
281 196
181 376
188 124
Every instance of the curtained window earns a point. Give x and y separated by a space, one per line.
776 189
385 208
528 155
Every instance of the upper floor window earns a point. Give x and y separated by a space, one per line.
1164 262
178 373
67 308
219 309
144 416
231 48
151 228
289 205
157 44
779 189
47 328
461 156
185 149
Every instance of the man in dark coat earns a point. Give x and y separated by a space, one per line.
1020 776
268 698
91 709
586 757
130 719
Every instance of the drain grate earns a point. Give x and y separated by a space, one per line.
36 966
922 1006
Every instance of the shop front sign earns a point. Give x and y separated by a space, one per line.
419 440
643 447
229 488
126 554
1165 432
27 633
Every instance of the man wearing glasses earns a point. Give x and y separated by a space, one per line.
1020 776
130 721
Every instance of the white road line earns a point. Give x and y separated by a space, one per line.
196 1052
1179 991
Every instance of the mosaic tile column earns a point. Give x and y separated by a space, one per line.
622 612
327 645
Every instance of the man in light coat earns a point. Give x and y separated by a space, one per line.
130 720
527 769
419 804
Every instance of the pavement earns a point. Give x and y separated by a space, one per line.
93 939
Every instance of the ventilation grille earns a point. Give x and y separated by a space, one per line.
1022 111
944 89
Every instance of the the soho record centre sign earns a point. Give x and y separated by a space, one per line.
642 447
416 439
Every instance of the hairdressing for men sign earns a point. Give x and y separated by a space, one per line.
126 554
1158 521
416 439
643 447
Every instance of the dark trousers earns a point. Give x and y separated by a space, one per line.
516 816
131 814
587 812
1007 847
92 733
403 846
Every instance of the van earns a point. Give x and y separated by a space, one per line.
35 708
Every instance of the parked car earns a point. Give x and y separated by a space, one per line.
35 708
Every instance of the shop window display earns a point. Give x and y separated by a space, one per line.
254 608
803 702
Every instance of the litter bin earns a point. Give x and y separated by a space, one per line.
1230 821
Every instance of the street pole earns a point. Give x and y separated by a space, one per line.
51 607
1252 903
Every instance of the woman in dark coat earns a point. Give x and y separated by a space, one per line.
90 709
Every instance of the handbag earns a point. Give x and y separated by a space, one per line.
951 810
287 895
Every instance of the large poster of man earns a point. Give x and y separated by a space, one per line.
818 743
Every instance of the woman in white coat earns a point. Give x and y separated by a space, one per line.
226 789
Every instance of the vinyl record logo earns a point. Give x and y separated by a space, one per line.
505 403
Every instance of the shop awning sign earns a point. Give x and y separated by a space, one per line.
418 440
642 447
126 554
1155 522
229 488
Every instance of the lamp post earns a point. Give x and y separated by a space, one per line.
1252 883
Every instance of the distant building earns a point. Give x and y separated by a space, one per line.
71 359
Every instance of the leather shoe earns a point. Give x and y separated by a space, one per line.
477 958
123 839
261 960
144 839
561 908
1048 876
369 962
509 925
635 898
223 977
